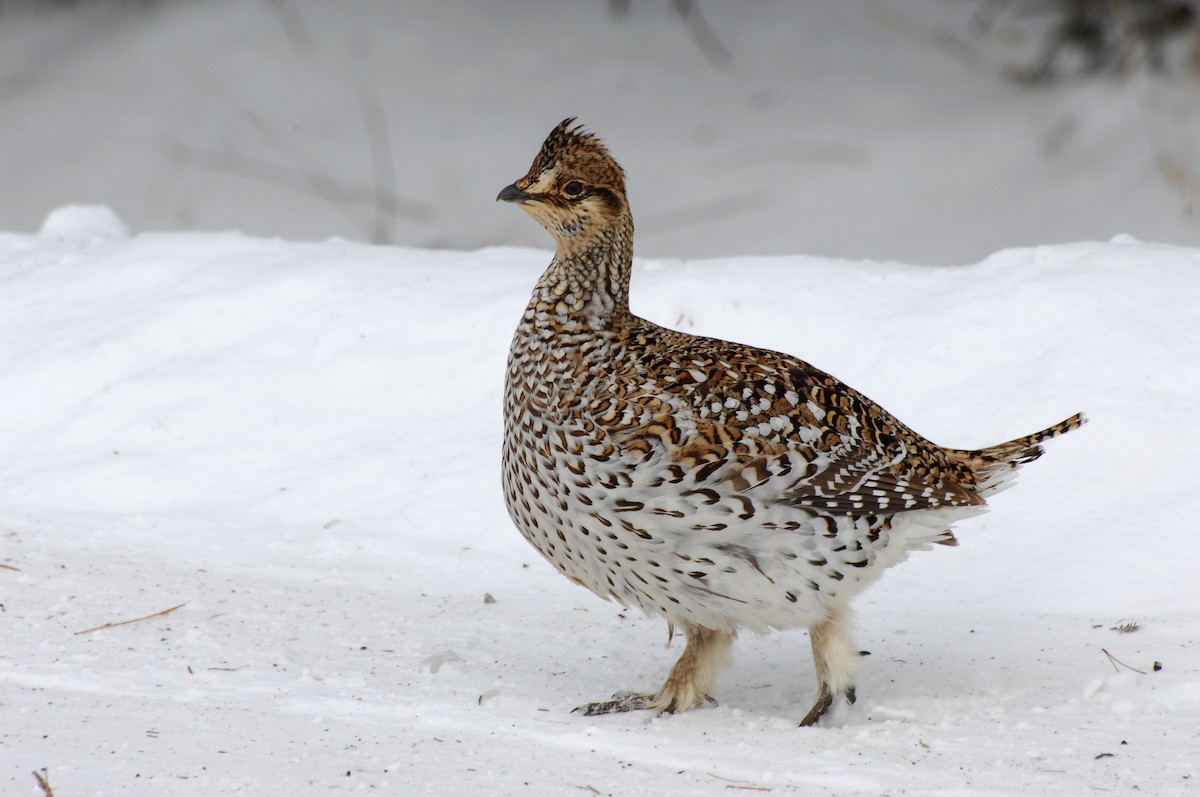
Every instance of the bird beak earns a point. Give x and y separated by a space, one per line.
511 193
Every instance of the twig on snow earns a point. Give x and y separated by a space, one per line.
730 783
10 567
1114 661
134 620
43 783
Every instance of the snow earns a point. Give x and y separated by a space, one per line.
297 444
83 223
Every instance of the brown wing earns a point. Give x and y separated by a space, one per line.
744 417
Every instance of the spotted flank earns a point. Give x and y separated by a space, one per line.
713 484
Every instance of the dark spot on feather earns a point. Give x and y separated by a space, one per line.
710 496
705 471
747 507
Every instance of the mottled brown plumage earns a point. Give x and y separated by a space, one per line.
718 485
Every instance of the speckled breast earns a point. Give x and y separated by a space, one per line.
638 528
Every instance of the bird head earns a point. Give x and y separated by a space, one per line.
574 188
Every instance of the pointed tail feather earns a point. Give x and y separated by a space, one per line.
996 465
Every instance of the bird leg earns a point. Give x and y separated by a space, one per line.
836 662
690 683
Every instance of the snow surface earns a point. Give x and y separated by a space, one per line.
299 443
868 129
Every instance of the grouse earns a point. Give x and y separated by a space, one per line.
717 485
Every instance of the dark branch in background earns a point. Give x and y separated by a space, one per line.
750 155
703 212
706 38
384 167
294 28
936 37
986 15
1071 38
299 170
335 191
697 26
1110 36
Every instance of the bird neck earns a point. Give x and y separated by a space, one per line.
587 283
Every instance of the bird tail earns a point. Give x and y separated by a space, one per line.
996 465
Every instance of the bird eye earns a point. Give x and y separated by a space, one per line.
573 188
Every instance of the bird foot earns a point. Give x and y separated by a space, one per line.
823 704
621 702
632 701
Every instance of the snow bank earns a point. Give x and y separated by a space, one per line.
300 443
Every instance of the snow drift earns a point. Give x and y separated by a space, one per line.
299 443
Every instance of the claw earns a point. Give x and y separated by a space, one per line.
687 687
819 709
621 702
823 704
631 701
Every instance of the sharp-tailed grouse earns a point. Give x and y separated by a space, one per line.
717 485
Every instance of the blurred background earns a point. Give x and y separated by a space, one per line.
927 131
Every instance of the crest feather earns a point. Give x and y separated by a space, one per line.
571 145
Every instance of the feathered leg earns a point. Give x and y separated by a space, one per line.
836 661
690 683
